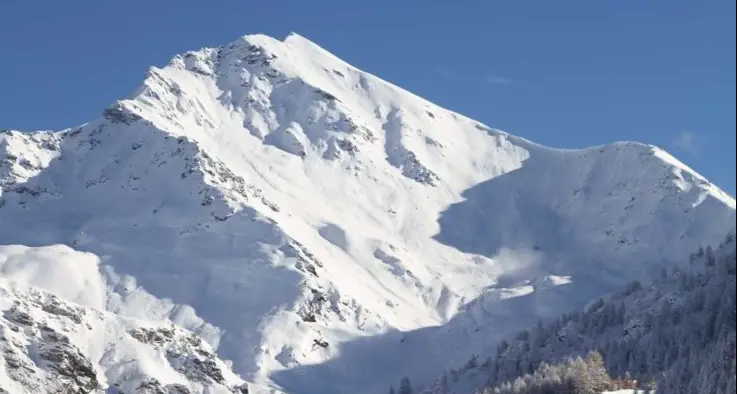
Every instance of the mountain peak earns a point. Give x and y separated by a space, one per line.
297 213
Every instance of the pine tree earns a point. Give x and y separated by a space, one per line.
473 362
597 372
405 387
444 385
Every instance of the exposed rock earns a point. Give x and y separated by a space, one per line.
118 114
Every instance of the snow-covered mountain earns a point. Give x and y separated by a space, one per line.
323 230
50 344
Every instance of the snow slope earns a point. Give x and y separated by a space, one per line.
49 344
327 231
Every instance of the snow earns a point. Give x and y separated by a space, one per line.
98 349
45 267
327 231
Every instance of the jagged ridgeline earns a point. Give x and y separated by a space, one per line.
676 334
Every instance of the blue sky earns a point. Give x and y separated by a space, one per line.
569 73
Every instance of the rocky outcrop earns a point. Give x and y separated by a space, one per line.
48 345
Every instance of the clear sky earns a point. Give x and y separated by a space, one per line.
565 73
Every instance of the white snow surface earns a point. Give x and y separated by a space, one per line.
324 230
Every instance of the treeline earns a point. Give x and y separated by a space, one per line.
678 332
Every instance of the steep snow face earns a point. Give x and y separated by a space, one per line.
314 223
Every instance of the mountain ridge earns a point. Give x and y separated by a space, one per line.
193 189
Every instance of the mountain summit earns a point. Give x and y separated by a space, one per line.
322 230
